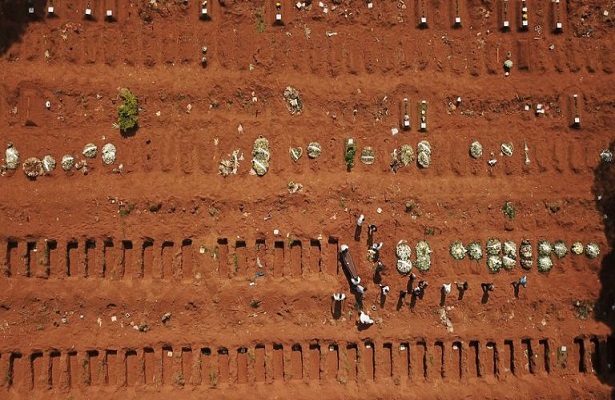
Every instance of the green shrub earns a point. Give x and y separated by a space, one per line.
351 150
128 113
509 210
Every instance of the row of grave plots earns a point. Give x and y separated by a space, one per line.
186 259
410 361
167 259
455 52
577 156
520 15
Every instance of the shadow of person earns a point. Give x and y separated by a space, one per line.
442 297
604 194
362 327
413 302
400 303
383 299
409 286
370 239
485 298
516 289
336 309
358 297
377 277
461 293
357 233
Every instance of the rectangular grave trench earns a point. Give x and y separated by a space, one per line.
31 262
15 374
352 362
296 362
491 366
529 355
184 374
475 358
315 256
150 371
278 362
166 267
74 373
423 368
331 263
242 365
240 258
167 364
128 262
11 255
404 360
296 258
72 258
387 360
132 368
223 365
546 350
315 357
38 372
260 372
510 364
55 368
187 264
222 255
595 348
278 258
457 350
111 371
439 363
205 366
147 258
111 259
332 361
579 343
90 368
51 257
610 354
91 262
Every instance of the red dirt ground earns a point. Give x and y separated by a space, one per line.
167 234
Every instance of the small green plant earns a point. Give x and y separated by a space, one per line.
236 262
213 377
154 207
509 210
562 358
126 209
410 206
351 151
213 211
260 22
85 364
429 232
178 378
128 113
9 376
583 309
255 304
553 207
